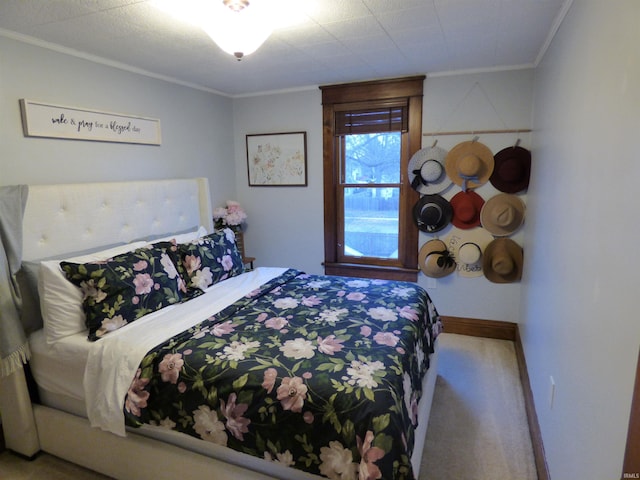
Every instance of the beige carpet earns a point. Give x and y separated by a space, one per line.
477 430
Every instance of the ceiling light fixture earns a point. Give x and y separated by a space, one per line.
236 5
240 28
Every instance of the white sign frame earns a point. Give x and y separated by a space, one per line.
58 121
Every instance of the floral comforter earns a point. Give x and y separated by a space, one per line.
319 373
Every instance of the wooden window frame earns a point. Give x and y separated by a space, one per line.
368 94
631 465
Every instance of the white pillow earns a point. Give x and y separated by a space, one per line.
183 237
61 300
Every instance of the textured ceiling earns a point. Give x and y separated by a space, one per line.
338 40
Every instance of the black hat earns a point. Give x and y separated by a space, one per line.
432 213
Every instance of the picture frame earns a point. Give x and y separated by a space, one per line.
277 159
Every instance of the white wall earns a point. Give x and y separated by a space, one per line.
488 101
196 126
580 302
286 224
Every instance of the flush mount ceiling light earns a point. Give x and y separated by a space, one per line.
238 27
241 28
236 5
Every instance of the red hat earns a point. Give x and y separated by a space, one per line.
511 170
466 209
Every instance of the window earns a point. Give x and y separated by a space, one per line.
371 129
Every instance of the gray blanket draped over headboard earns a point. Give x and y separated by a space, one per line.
14 349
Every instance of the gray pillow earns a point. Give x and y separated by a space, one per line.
27 278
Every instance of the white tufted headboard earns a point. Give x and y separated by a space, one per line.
75 217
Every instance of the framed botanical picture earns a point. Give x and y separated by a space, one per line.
277 159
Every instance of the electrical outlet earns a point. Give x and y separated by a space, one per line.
552 391
431 282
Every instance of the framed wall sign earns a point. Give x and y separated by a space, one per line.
277 159
56 121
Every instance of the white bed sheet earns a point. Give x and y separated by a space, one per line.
58 368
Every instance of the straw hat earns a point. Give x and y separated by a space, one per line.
466 209
467 248
502 214
435 260
426 171
502 262
432 213
469 164
512 169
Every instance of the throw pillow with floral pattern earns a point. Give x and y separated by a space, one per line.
210 259
122 289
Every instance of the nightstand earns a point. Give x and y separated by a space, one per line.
240 243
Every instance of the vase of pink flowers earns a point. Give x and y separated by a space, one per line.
232 216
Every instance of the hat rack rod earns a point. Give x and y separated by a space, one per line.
477 132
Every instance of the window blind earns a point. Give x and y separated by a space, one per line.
372 120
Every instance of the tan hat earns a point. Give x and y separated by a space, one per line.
502 261
467 248
435 260
426 171
502 214
469 164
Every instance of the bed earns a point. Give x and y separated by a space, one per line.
269 369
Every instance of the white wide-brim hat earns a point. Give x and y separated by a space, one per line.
467 248
426 171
